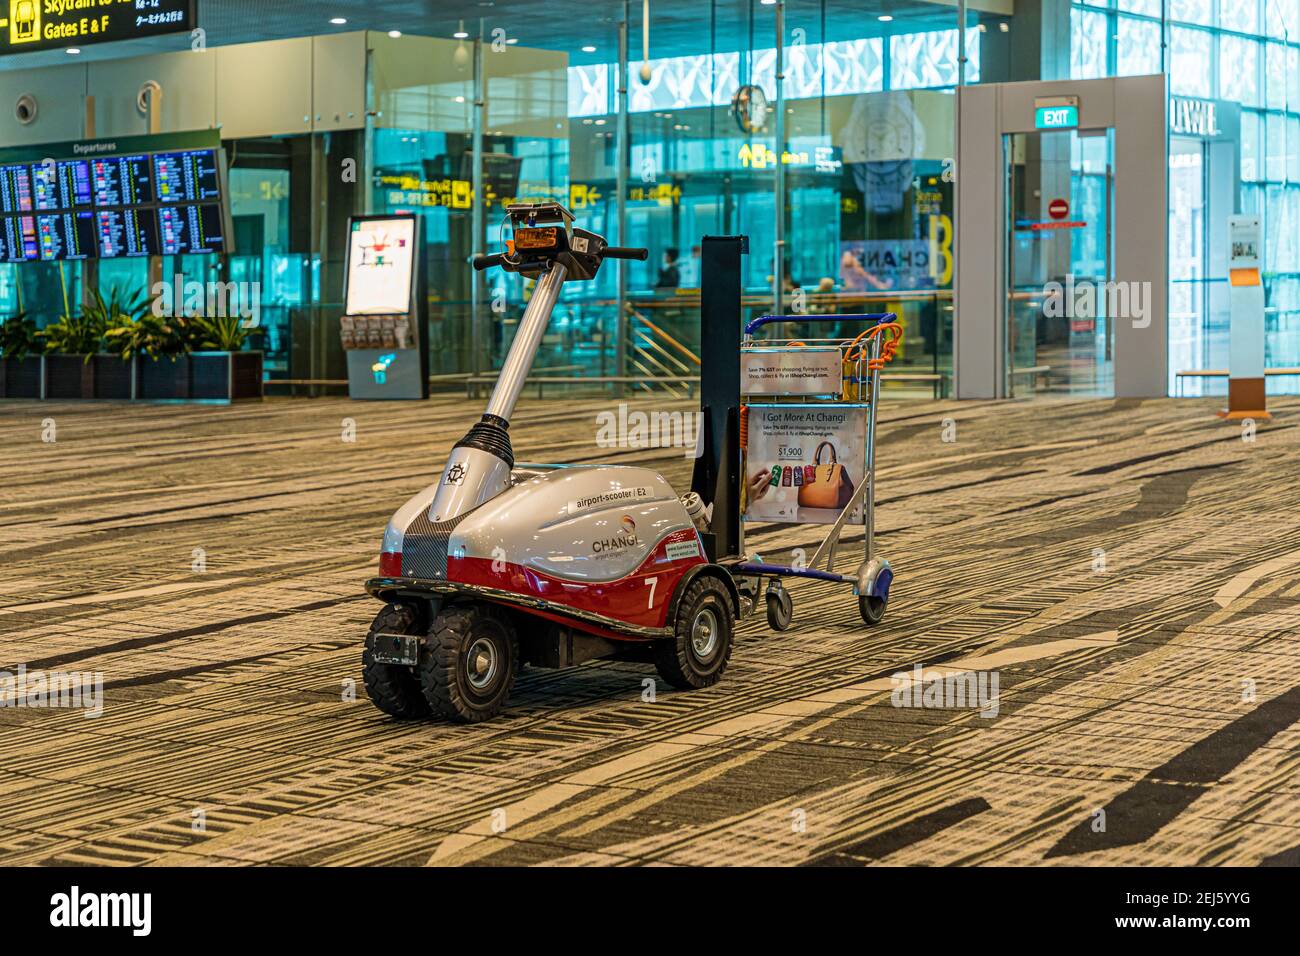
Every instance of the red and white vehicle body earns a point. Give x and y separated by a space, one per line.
602 549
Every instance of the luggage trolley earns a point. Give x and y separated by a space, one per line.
806 388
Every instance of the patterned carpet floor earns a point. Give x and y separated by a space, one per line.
1128 570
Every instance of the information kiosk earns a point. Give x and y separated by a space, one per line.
383 322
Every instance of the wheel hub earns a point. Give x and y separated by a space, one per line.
481 663
704 634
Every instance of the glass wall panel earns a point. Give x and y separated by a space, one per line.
1240 51
1137 52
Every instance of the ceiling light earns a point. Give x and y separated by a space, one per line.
1003 26
588 49
338 21
460 35
72 51
884 18
513 40
394 33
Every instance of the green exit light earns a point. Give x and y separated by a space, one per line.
1056 117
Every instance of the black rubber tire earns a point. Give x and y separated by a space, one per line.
393 688
444 668
872 609
780 609
676 658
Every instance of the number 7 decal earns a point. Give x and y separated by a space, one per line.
652 583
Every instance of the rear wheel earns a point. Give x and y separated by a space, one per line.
697 654
469 663
780 608
391 687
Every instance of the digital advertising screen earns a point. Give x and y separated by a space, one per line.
137 203
381 257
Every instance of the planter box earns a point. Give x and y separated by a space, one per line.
167 377
112 376
69 376
201 376
225 376
20 378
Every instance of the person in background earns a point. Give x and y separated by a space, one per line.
669 275
690 270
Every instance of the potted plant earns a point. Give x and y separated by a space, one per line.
20 358
113 363
163 362
69 344
219 368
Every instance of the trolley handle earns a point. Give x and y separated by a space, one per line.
880 318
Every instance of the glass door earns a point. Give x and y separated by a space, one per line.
1059 330
1189 341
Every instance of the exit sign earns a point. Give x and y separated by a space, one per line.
1056 117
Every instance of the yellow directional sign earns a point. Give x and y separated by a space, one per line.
30 25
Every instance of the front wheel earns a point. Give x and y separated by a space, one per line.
391 687
872 609
469 663
697 654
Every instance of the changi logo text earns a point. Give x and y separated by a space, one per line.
625 539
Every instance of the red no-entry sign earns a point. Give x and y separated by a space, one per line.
1058 209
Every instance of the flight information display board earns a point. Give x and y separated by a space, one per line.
191 176
134 204
66 235
61 185
122 180
190 229
19 238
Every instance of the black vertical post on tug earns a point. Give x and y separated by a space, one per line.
717 474
420 307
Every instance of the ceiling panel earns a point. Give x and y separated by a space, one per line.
678 27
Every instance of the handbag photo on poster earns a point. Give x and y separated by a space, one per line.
831 486
803 463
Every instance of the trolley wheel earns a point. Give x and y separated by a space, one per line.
391 687
871 608
469 663
780 608
697 654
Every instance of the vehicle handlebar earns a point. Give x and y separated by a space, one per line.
487 262
625 252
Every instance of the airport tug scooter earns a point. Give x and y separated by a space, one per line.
492 566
